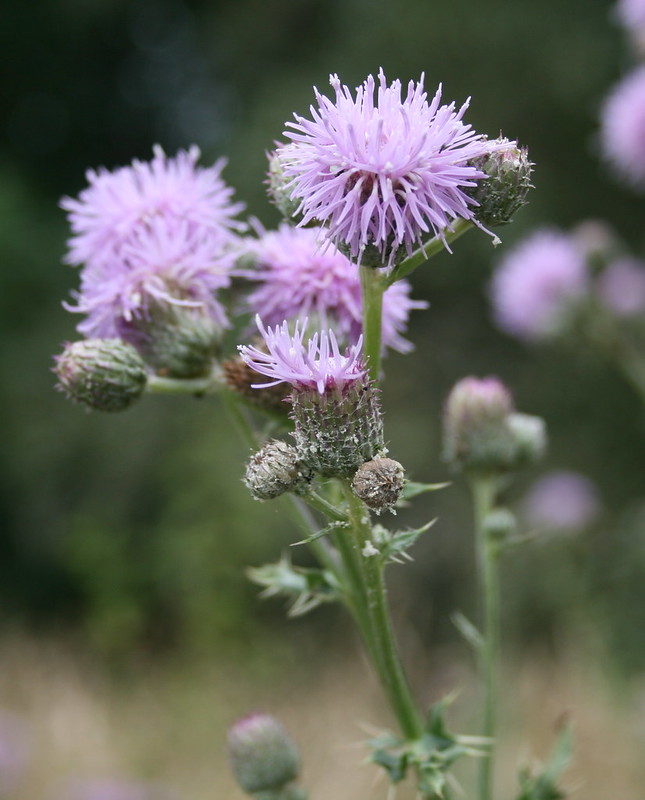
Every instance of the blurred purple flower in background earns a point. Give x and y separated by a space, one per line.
537 283
158 232
115 789
382 174
563 500
631 13
622 131
297 278
621 287
15 751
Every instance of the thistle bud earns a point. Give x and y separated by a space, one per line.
277 183
476 433
505 189
176 341
529 434
275 469
340 429
242 379
105 374
263 756
379 483
500 524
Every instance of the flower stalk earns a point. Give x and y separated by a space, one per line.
484 490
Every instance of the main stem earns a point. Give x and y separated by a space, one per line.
387 661
372 288
484 489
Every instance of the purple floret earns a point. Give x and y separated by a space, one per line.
317 365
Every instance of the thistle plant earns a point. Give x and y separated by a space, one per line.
372 185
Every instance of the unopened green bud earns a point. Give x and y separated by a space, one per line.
505 189
275 469
500 524
338 430
277 183
176 341
476 433
529 433
263 756
105 374
379 483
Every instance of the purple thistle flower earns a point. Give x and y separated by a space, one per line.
622 131
382 174
562 500
631 14
319 365
621 287
297 278
158 232
537 282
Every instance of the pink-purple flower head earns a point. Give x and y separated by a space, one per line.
621 287
563 500
537 283
631 14
317 365
622 131
152 232
298 278
382 173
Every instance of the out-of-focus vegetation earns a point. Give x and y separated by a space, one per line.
131 532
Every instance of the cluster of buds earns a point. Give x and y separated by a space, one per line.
264 758
483 434
338 423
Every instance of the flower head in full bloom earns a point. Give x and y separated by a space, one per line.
622 131
319 365
150 234
298 278
382 172
631 14
535 285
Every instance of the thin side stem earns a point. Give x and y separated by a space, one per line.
429 249
388 665
195 386
372 288
484 489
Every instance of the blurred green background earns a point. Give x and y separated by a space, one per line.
131 532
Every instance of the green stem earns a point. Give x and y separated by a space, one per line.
195 386
324 506
372 287
484 490
388 662
429 249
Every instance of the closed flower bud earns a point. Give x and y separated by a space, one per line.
176 341
529 433
279 194
379 483
263 756
105 374
241 379
505 189
275 469
500 524
476 433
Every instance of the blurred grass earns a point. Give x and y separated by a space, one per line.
165 722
